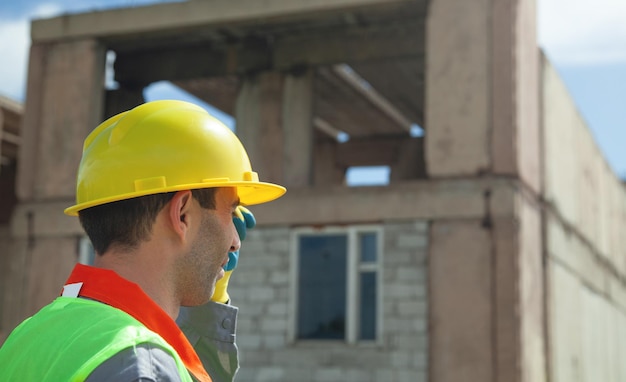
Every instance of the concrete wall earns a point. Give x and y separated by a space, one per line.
585 218
482 111
262 287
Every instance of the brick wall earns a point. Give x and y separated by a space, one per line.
261 288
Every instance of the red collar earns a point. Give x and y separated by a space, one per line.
108 287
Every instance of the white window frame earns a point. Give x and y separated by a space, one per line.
354 269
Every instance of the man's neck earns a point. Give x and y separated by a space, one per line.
148 275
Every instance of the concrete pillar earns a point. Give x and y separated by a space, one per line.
298 128
482 104
258 114
326 171
487 298
482 109
63 104
273 113
457 119
461 317
7 192
410 161
122 99
519 296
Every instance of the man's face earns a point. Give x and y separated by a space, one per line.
214 238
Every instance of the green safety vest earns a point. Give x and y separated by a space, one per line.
70 338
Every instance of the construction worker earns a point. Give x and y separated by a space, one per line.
159 194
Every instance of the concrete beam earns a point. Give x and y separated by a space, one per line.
374 151
356 82
433 199
183 15
175 63
323 126
357 44
351 45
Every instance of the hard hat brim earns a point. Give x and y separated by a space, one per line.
250 193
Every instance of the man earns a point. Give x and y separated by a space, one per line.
156 193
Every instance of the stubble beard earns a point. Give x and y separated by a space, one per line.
202 272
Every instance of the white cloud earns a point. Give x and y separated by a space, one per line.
583 32
14 50
14 53
46 10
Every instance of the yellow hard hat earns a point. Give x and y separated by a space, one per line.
164 146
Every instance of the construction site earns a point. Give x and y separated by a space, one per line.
495 252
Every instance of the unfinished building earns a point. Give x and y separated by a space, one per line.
495 253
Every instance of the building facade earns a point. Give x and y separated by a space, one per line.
495 253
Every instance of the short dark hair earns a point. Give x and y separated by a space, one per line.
126 223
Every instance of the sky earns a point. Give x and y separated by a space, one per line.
585 40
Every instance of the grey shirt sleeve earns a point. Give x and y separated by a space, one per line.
142 363
210 329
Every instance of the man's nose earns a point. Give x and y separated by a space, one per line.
236 243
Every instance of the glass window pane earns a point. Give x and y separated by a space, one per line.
322 287
367 245
367 328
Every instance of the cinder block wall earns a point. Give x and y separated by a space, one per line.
261 288
585 222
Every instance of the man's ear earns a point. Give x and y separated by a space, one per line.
179 210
